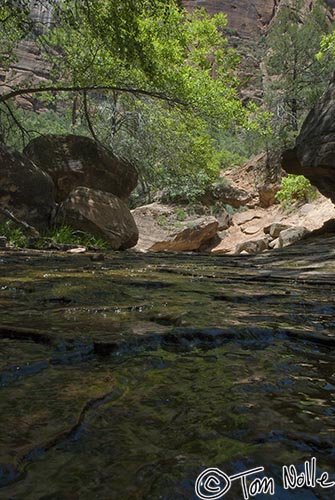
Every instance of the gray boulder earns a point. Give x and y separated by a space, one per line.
275 229
227 194
253 246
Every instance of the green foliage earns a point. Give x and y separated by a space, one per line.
295 188
149 49
34 124
327 46
222 182
163 221
61 235
181 214
232 210
15 235
152 45
172 149
66 235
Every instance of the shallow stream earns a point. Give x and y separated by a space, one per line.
125 379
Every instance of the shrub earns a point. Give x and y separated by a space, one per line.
295 188
15 235
181 214
163 221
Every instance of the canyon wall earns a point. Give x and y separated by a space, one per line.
247 19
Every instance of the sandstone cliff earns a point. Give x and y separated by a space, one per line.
246 19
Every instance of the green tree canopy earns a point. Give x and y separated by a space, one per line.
175 66
150 47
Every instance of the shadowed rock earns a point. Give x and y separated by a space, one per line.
314 153
74 161
24 189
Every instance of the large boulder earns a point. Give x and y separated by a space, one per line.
25 190
73 161
275 228
190 238
253 246
161 231
314 153
101 214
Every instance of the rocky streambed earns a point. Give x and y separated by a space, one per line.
127 378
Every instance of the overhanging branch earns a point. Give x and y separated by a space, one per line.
92 88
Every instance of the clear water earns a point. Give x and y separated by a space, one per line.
125 379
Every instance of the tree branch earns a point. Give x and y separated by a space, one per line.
92 88
9 215
23 131
87 117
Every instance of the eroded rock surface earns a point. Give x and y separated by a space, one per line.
247 19
253 226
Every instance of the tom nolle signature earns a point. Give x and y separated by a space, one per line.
213 484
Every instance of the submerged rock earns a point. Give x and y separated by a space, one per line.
100 214
73 161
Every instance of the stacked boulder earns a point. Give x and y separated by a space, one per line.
71 180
